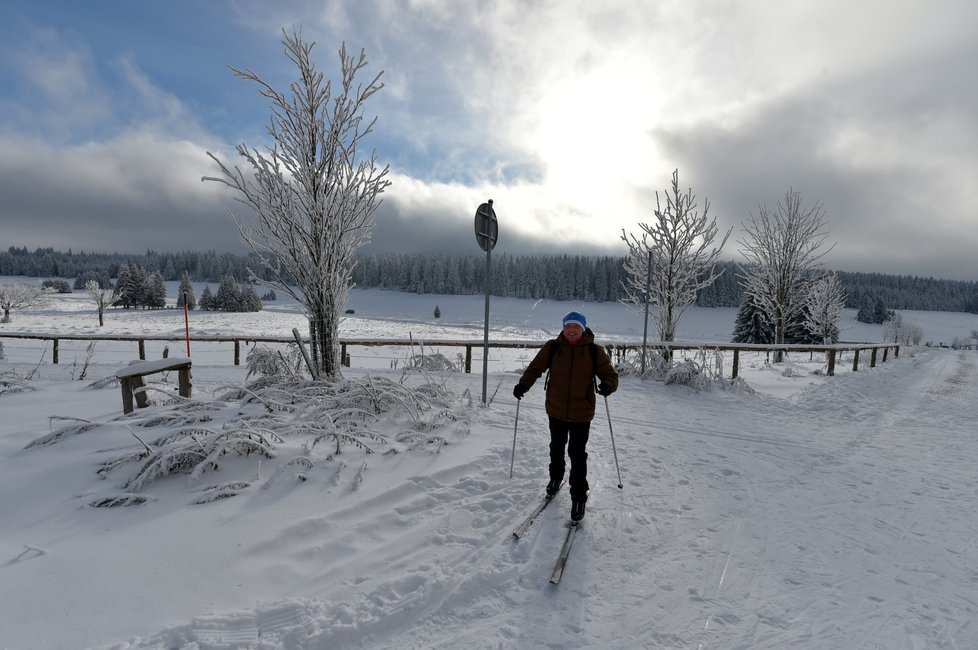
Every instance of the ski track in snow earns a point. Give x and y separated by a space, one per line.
834 519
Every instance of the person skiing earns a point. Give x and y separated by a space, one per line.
573 361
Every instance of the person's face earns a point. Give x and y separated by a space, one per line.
572 332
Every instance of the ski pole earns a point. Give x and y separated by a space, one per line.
615 451
515 424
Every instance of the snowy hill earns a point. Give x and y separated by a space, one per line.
815 513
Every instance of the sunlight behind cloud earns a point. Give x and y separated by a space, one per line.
592 135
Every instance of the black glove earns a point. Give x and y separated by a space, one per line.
519 390
605 389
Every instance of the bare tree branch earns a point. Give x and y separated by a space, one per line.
683 261
313 196
783 250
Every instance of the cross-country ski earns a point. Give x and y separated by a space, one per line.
564 553
522 528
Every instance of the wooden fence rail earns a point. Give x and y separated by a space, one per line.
619 351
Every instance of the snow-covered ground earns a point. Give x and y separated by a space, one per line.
814 513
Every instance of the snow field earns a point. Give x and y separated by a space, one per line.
814 513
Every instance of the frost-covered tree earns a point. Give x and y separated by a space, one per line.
823 308
249 300
207 299
228 295
20 296
881 313
751 325
313 194
103 279
130 287
783 249
185 294
897 330
57 285
154 290
102 298
683 254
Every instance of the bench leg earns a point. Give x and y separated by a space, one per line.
126 395
141 400
185 384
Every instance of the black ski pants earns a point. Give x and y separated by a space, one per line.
574 436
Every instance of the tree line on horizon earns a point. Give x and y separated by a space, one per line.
541 276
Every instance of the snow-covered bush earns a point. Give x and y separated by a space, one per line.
11 382
305 423
687 373
434 362
656 364
266 362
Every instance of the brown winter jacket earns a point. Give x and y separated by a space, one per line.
570 390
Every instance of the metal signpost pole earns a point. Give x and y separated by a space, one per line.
645 330
485 331
486 233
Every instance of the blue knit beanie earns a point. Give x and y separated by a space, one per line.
577 318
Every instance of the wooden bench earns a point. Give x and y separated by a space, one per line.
131 378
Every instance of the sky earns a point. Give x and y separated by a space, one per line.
812 512
569 115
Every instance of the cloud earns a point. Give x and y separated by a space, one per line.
137 191
569 114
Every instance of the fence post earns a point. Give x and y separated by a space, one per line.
142 350
831 372
468 359
896 351
736 364
855 360
237 352
885 350
872 358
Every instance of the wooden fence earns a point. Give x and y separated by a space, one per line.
618 351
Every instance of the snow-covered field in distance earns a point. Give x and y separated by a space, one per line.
384 314
815 513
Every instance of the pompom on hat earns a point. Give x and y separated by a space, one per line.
576 318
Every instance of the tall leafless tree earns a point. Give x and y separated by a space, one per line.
783 250
683 257
313 195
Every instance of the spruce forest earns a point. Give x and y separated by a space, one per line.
552 277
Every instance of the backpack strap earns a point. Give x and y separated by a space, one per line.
555 346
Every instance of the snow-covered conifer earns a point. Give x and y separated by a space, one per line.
249 300
207 299
751 325
185 294
228 295
154 290
313 194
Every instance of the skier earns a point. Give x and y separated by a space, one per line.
574 360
